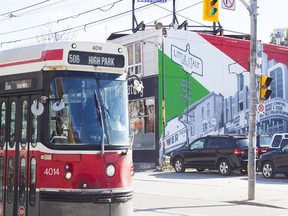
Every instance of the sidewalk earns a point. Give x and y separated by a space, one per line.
271 193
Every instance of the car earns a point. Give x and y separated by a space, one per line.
274 162
278 140
224 153
262 143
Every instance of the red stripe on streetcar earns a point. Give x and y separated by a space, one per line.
47 55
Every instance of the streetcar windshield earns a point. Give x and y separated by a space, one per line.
88 111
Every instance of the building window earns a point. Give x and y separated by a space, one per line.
135 58
277 83
202 112
142 123
208 109
205 127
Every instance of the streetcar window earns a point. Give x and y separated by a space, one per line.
12 124
32 191
34 131
18 84
24 124
10 184
1 178
22 183
92 107
3 120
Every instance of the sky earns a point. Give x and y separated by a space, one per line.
28 22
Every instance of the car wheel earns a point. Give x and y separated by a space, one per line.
179 165
268 170
200 169
224 167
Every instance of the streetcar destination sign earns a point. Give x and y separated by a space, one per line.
96 59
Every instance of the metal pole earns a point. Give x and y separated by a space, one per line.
163 103
253 101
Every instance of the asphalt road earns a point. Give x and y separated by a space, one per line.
207 194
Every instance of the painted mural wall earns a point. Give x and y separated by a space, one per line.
205 81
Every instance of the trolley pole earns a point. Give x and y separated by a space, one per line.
253 99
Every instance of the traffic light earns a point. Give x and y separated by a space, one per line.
264 82
211 10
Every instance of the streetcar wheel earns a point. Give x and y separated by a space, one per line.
268 170
179 165
224 167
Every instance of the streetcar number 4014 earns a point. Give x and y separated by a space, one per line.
52 171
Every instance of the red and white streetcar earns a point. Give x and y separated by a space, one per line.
65 141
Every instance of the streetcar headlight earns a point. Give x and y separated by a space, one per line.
73 45
120 50
110 170
68 175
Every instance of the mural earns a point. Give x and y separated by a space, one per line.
206 80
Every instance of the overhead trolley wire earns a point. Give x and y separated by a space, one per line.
10 13
62 19
77 27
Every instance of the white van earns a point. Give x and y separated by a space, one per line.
278 140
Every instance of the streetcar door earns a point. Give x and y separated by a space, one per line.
16 155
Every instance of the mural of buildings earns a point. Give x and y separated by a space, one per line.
204 81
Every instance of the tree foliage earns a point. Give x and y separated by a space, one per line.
283 42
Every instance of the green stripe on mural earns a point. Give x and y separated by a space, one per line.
174 77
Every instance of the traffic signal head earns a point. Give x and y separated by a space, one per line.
211 10
264 82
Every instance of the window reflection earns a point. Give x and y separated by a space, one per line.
91 107
1 178
32 191
22 183
12 124
34 131
24 124
10 184
3 125
142 122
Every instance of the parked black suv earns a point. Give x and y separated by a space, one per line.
274 162
223 152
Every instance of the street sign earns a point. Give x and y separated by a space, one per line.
228 4
261 108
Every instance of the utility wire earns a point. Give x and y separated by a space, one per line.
85 26
10 13
59 20
179 12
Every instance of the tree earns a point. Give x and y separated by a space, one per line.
48 35
283 42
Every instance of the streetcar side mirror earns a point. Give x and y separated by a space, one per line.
58 105
37 108
138 85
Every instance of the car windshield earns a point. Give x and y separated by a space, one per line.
242 143
264 141
87 110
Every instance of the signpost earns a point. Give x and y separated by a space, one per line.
228 4
261 108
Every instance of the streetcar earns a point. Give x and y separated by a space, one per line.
65 144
